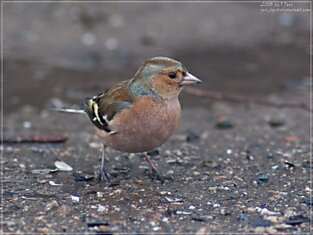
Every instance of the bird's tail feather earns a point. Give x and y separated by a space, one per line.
70 110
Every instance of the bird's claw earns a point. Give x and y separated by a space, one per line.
104 176
157 176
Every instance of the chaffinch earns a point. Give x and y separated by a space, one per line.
142 113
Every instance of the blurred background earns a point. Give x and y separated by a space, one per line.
57 53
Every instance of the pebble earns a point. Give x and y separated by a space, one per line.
297 219
52 183
173 161
183 213
52 205
81 177
177 152
260 223
224 123
95 145
75 199
211 164
276 123
248 155
100 194
191 136
289 165
97 223
263 178
27 125
309 202
173 201
40 171
265 211
156 228
204 218
229 151
62 166
170 172
102 209
42 181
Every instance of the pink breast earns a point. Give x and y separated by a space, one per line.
146 126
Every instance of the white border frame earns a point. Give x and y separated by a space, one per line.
131 1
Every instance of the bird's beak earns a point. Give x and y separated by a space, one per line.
189 79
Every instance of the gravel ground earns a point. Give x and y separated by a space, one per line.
234 168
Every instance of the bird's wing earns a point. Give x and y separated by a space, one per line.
102 108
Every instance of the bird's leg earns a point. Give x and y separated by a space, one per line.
103 174
154 168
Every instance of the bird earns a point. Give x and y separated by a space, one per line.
140 114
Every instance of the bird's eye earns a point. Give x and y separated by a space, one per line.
172 75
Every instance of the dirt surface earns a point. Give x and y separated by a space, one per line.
231 167
226 180
234 167
251 177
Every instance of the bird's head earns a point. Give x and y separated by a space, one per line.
163 76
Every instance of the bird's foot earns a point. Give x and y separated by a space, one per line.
155 172
156 175
103 175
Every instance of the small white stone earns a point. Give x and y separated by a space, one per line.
275 167
192 207
51 205
100 194
75 199
52 183
183 213
177 152
62 166
102 209
22 165
265 211
156 228
27 125
229 151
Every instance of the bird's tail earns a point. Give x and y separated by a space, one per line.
70 110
